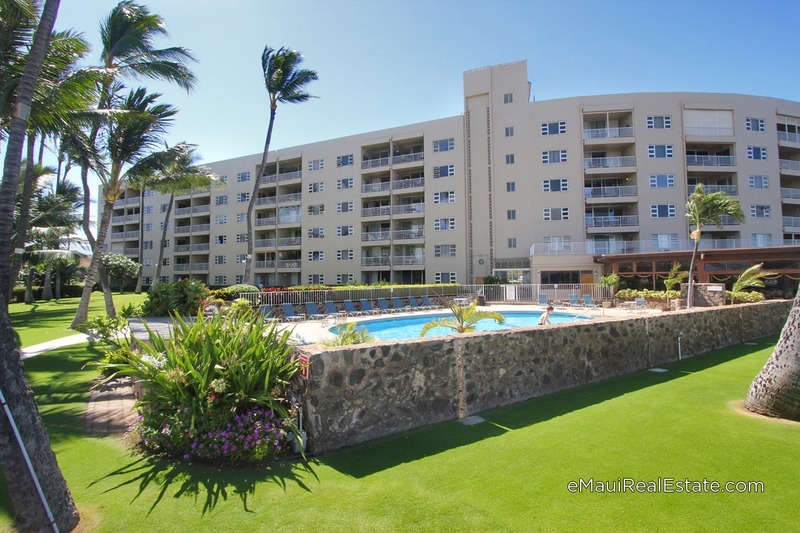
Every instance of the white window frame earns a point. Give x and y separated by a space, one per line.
449 169
316 233
444 224
508 98
547 213
559 127
344 207
344 183
760 151
316 209
221 280
344 160
222 199
220 259
316 186
511 214
316 164
345 255
666 122
509 131
316 255
554 156
340 278
758 182
444 250
765 210
243 197
754 124
452 277
668 179
221 219
241 237
444 197
241 177
655 209
510 159
512 242
444 145
511 186
652 151
547 185
345 231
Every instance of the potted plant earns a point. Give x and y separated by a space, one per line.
610 282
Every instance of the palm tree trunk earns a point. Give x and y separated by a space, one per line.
29 299
690 288
47 290
24 209
82 314
462 395
157 277
100 270
138 289
776 389
58 280
253 198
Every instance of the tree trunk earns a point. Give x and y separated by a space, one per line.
462 393
24 210
47 290
249 257
58 280
157 277
776 389
690 288
82 314
29 299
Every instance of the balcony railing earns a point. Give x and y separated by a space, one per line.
791 222
380 211
179 248
290 219
608 133
610 192
409 208
182 229
269 221
131 251
793 194
407 260
611 221
629 247
375 261
286 176
406 234
266 200
260 265
732 190
713 131
181 211
408 183
199 266
728 220
288 263
790 137
290 241
789 164
201 227
292 197
376 187
408 158
118 235
374 163
201 247
131 234
265 243
271 178
609 162
205 208
182 267
711 160
371 236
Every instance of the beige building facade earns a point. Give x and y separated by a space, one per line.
530 191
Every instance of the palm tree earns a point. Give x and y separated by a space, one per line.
285 82
129 136
703 209
775 391
464 320
751 278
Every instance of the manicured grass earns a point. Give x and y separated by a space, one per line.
45 321
509 473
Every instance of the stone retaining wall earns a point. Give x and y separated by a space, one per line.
363 392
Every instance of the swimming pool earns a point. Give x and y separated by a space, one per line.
399 328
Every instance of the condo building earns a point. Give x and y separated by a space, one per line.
553 191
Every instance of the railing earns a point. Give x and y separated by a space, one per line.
118 219
271 178
610 192
732 190
793 194
609 162
612 221
713 131
409 208
791 222
265 264
205 208
201 227
182 248
290 219
608 133
199 266
131 251
791 242
790 137
380 211
266 200
375 261
408 158
630 247
408 183
292 197
201 247
286 176
269 221
288 263
728 220
131 234
374 163
354 294
181 211
371 236
126 201
406 234
789 164
711 160
408 260
265 243
182 267
118 235
380 186
182 229
529 293
290 241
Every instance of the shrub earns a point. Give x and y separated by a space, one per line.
647 294
744 297
231 293
349 334
492 280
182 297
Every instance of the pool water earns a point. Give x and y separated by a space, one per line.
399 328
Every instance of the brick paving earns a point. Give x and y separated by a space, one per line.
110 408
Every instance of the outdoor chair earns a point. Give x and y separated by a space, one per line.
385 307
588 302
289 314
543 299
331 309
351 310
429 304
398 304
366 307
267 313
313 311
573 301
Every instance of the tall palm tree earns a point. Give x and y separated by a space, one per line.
285 82
129 137
464 320
703 209
168 172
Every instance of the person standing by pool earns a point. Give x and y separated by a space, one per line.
545 318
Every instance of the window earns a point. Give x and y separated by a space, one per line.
444 250
444 171
164 208
165 262
148 193
664 241
509 159
316 233
554 156
444 277
243 176
148 226
221 219
241 258
554 128
316 279
344 255
659 151
164 279
243 197
316 164
511 214
760 211
316 209
555 185
344 183
754 124
241 217
509 131
220 280
221 239
556 213
165 243
508 98
444 224
148 210
220 259
223 179
662 211
147 245
344 231
147 280
558 242
317 186
511 186
341 279
161 225
344 207
447 197
757 152
662 181
241 237
344 160
659 122
761 239
443 145
759 182
316 255
512 242
221 200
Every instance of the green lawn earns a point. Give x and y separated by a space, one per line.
45 321
509 473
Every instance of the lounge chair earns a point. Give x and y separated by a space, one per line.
588 302
313 311
289 314
351 310
398 304
429 304
573 301
331 309
412 301
543 299
385 307
366 307
267 313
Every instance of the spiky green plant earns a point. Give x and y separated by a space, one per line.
349 334
751 278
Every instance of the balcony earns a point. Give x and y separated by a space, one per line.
183 211
182 267
711 160
380 211
290 219
288 176
408 158
790 164
408 183
608 133
196 228
265 180
407 209
609 162
708 131
294 197
199 266
182 229
131 234
731 190
375 261
288 263
789 137
728 220
290 241
201 247
408 260
268 221
261 265
612 221
181 248
373 236
131 251
408 234
266 200
376 187
118 235
610 192
791 222
791 194
629 247
375 163
265 243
